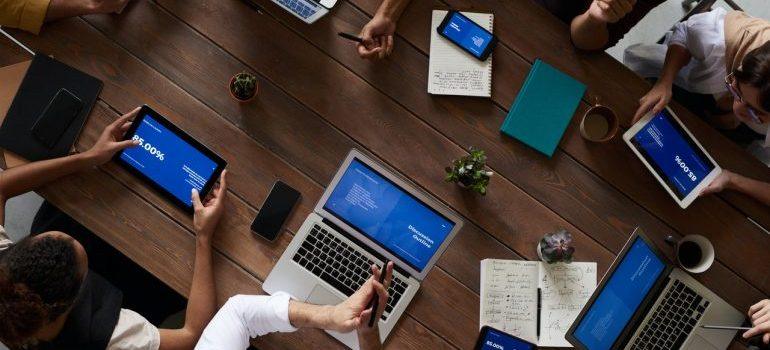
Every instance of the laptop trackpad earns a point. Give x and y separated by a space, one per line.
322 296
698 343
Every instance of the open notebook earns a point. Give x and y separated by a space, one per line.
534 300
452 71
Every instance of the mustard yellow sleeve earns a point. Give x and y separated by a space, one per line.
28 15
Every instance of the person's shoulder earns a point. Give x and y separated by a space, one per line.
134 332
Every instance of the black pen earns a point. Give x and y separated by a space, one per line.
351 37
376 302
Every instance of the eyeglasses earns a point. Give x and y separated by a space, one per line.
729 81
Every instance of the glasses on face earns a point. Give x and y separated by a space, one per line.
729 82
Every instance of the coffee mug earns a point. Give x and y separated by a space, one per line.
694 253
599 124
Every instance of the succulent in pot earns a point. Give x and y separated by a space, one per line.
556 247
470 171
243 86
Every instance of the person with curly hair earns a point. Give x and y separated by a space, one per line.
49 299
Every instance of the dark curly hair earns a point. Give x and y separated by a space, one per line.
755 71
39 281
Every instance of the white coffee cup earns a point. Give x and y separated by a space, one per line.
694 253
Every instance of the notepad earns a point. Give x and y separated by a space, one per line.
452 71
512 290
543 108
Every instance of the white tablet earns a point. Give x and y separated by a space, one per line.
673 155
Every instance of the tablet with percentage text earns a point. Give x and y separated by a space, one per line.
169 159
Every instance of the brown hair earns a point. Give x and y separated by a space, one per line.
755 71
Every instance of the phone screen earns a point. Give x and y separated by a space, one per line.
275 211
465 33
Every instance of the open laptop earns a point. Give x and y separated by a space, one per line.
308 11
643 302
367 215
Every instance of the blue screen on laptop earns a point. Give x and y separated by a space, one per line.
496 340
467 34
168 160
387 214
668 149
617 302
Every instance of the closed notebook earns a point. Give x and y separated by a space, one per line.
544 107
452 71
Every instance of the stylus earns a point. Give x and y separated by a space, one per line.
351 37
729 328
376 303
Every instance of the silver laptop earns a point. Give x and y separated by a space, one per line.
367 215
306 10
643 302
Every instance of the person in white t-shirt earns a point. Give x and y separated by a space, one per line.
43 276
250 316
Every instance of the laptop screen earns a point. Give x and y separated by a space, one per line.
620 297
387 214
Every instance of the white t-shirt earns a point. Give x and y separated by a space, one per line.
244 317
132 332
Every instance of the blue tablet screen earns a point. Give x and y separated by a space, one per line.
673 155
497 340
168 160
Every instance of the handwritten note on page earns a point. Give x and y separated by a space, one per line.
509 297
565 289
452 71
509 291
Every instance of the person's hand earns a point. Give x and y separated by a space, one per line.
111 140
719 184
209 212
759 314
355 311
107 6
58 9
610 11
378 38
654 101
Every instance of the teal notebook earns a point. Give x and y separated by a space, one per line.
544 107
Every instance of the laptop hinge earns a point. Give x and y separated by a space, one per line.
364 247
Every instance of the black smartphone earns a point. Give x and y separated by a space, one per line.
275 210
56 118
469 36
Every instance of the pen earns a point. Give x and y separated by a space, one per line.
376 303
758 225
729 328
351 37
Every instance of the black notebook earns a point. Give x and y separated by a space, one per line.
44 80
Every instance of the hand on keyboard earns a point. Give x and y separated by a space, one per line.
355 311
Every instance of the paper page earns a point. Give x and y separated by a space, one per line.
509 297
452 71
564 288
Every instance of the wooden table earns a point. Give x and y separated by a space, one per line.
317 100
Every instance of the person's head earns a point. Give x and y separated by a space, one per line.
752 84
40 278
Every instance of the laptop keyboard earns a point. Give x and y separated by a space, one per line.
673 319
299 7
341 265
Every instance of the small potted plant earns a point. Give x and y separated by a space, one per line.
243 87
556 247
469 171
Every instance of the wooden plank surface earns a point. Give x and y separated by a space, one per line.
317 100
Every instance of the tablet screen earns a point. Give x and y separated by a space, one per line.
494 339
168 160
672 153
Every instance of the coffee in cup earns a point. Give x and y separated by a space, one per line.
694 253
599 124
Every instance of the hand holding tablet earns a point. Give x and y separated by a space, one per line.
169 159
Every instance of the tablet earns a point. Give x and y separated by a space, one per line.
673 155
494 339
169 159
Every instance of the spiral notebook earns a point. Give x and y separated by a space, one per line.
452 71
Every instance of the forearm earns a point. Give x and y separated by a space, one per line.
304 315
392 9
27 177
201 304
757 189
589 33
676 58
